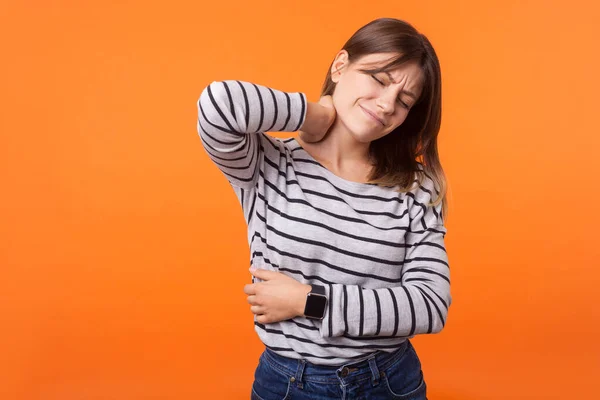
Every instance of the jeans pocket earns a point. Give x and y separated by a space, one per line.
406 392
270 382
404 378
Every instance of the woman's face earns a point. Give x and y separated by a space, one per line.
371 106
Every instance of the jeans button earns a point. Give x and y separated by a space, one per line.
345 372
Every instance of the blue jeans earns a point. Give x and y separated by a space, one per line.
394 375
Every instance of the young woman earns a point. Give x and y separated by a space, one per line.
345 221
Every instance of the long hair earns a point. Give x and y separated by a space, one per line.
408 154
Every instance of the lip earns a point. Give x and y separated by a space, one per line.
370 114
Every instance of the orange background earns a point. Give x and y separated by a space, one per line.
122 248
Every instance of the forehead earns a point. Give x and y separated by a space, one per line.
379 60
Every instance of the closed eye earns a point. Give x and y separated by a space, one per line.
383 84
378 81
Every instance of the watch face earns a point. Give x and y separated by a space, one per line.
315 306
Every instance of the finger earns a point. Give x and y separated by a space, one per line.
250 288
264 274
252 300
263 319
326 101
257 309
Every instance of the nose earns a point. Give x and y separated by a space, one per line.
386 102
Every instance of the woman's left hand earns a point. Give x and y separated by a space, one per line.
278 298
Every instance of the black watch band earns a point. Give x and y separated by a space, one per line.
316 302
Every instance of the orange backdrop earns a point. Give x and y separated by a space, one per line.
122 248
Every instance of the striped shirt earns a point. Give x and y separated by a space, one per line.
379 253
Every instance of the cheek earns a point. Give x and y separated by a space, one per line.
347 110
350 90
402 114
347 98
343 103
400 120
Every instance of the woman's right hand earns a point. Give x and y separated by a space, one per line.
319 118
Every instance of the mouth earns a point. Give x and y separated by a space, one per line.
373 116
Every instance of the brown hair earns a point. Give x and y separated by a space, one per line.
409 152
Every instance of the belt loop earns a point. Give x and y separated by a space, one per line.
374 371
300 373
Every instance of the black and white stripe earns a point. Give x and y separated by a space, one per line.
379 253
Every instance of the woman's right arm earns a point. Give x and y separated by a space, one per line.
232 113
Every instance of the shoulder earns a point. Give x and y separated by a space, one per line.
421 198
424 190
274 147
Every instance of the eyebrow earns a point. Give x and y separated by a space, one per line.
411 94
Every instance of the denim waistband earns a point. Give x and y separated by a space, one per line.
302 370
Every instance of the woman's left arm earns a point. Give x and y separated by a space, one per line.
418 305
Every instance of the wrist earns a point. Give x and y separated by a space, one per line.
301 303
316 302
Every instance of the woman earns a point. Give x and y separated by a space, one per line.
345 222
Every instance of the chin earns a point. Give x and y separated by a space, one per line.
364 137
365 133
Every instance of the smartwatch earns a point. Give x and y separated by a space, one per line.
316 302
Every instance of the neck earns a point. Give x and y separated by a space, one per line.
341 150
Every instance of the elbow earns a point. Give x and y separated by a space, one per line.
213 89
439 325
440 322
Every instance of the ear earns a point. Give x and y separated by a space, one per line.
339 63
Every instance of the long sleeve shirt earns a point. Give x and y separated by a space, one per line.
378 252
